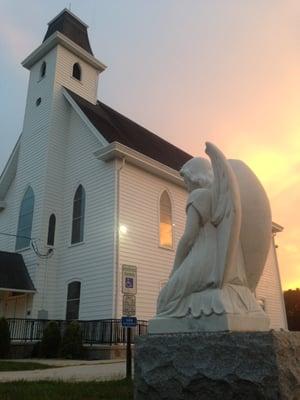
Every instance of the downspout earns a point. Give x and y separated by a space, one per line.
117 238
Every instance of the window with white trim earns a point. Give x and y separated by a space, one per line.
76 71
43 69
78 215
73 300
51 230
165 221
25 220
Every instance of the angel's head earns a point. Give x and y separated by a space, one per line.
197 173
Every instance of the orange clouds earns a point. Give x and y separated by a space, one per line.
277 164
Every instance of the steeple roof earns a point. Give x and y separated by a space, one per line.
72 27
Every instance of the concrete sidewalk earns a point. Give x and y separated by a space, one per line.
70 370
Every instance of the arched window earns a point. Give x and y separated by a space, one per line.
43 69
73 300
78 215
77 71
165 221
25 220
51 230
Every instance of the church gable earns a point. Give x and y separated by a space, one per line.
84 119
82 141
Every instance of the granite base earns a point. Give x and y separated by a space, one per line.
218 365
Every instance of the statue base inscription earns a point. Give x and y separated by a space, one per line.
218 365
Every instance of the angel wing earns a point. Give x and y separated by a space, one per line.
226 217
256 223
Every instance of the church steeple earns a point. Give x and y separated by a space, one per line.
72 27
68 31
64 59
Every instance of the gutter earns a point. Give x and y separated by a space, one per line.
120 151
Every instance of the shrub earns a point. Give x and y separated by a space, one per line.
50 343
36 350
71 346
4 338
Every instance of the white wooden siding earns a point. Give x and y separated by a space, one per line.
139 211
269 289
71 162
91 262
32 163
7 220
56 151
87 86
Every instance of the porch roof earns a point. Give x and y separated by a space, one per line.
13 273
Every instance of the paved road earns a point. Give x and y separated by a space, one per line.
72 370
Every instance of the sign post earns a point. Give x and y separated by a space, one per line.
128 322
128 355
129 310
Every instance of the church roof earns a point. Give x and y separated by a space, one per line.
115 127
13 273
72 27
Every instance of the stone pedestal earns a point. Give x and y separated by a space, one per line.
250 322
218 365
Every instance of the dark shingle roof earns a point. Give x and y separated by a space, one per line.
13 272
115 127
67 24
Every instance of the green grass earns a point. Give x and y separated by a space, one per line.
21 366
46 390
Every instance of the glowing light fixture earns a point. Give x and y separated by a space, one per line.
123 229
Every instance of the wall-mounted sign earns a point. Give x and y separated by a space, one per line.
129 279
129 304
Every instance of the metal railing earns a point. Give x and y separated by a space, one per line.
103 331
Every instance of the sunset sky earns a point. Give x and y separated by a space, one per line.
225 71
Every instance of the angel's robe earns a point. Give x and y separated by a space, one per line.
197 271
195 287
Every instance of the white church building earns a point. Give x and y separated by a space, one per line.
87 193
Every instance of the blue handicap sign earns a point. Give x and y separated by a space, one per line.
129 322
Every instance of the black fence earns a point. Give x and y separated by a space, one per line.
103 331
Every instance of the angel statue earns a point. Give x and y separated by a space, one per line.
222 252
